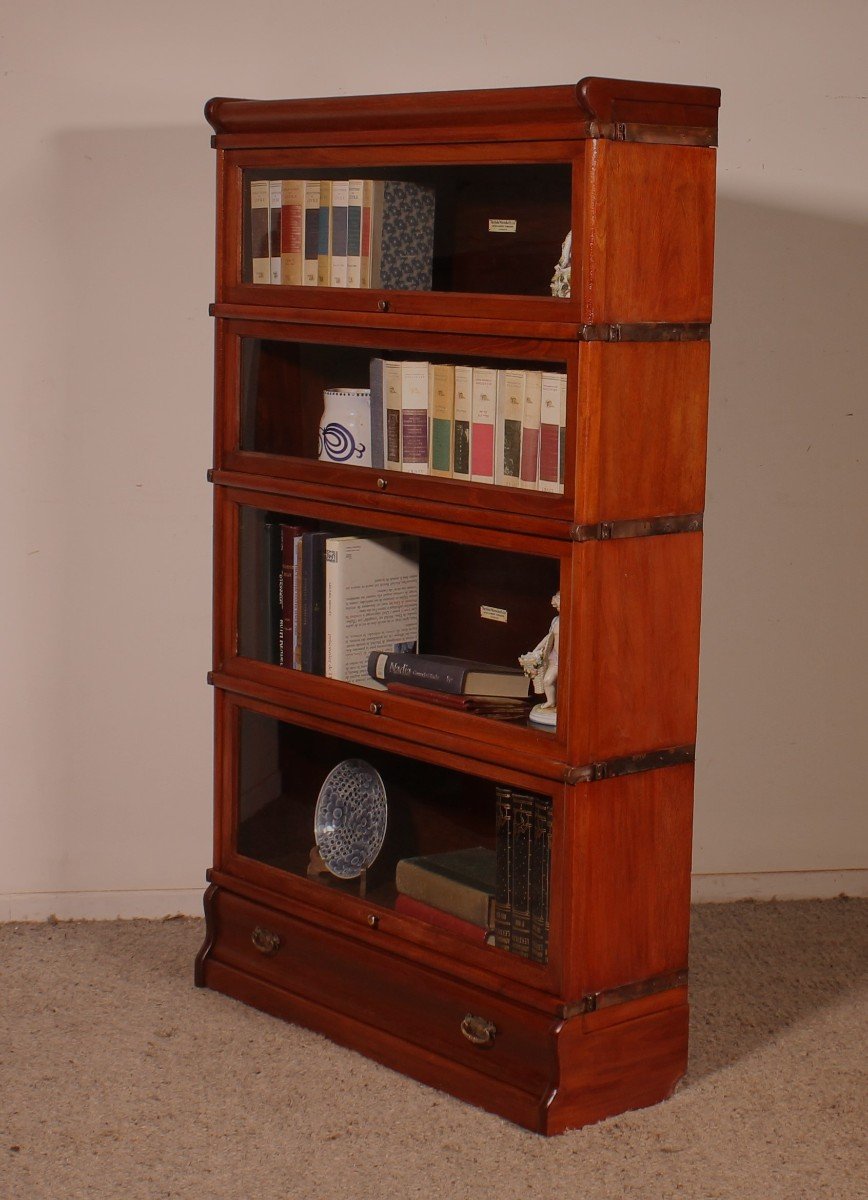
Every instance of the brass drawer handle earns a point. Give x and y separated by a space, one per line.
478 1030
265 941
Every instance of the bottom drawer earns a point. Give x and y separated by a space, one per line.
383 991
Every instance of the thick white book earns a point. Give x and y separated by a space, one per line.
483 422
507 440
310 243
372 602
260 260
355 204
414 417
338 259
275 209
530 430
463 420
552 394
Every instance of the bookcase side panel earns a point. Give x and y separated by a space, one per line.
649 233
634 656
645 407
632 869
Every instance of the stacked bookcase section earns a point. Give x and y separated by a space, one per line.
461 394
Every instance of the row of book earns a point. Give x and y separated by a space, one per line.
498 897
481 424
349 233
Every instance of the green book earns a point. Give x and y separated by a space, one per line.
460 882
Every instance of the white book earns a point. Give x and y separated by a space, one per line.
275 208
414 417
355 204
310 242
551 422
507 441
372 602
338 259
260 261
463 422
483 424
530 430
392 415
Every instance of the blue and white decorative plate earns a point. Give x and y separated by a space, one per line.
350 818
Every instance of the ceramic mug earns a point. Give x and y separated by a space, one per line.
345 426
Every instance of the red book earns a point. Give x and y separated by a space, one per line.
408 907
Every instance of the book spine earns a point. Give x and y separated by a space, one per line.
376 381
540 874
503 877
415 669
354 232
260 263
392 414
562 437
530 430
288 614
441 381
324 243
275 209
298 614
414 417
522 829
376 233
335 623
463 415
310 253
313 587
406 236
510 408
484 410
550 432
365 252
338 264
292 231
271 651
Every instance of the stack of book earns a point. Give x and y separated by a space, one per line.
485 689
479 424
335 596
453 890
521 914
351 233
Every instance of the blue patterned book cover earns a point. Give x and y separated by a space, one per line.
405 237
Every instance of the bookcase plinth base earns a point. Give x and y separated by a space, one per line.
541 1072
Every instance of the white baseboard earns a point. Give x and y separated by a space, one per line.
101 906
778 885
187 902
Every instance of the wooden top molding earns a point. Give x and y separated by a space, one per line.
593 108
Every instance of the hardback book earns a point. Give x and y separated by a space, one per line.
286 594
483 420
372 599
338 263
376 382
503 869
552 395
530 430
355 193
409 906
365 254
297 601
507 439
312 601
463 416
460 882
441 393
260 260
402 235
504 708
562 436
440 673
292 231
414 417
540 874
275 210
520 902
324 242
310 251
392 414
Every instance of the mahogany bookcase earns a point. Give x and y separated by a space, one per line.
629 167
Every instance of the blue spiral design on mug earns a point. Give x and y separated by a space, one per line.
339 443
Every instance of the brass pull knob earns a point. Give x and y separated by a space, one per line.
478 1030
383 305
382 484
376 709
265 941
373 920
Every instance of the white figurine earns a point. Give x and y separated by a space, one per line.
561 279
541 665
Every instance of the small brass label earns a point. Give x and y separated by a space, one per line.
493 614
501 225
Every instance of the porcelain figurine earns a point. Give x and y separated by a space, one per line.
541 666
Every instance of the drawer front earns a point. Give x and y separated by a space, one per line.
485 1033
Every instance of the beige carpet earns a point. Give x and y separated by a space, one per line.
118 1079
